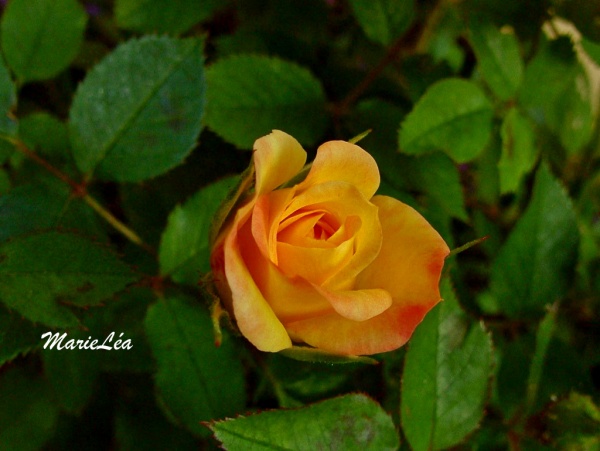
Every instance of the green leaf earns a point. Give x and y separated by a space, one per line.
497 53
5 182
535 265
125 315
346 422
296 383
28 414
6 151
8 100
437 176
17 335
40 38
44 205
41 273
542 342
519 151
45 134
139 425
196 381
305 354
250 95
184 248
446 377
454 116
383 20
556 91
78 366
149 16
138 112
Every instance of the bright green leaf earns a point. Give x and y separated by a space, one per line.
28 414
347 422
446 377
454 116
196 381
556 91
42 273
519 151
41 37
498 56
184 248
250 95
8 100
150 16
138 112
535 265
383 20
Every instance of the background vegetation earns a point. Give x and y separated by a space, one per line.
123 126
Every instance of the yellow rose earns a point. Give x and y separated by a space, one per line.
323 262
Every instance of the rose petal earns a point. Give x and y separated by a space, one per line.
412 255
277 158
343 200
344 162
358 305
290 298
382 333
315 264
255 318
266 218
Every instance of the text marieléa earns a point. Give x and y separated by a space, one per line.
57 340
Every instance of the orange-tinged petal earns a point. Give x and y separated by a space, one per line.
290 298
411 258
255 318
265 220
344 162
382 333
358 305
342 200
277 158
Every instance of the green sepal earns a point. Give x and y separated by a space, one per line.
238 194
466 246
306 354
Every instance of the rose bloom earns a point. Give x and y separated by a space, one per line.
325 262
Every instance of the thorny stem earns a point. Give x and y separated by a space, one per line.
80 190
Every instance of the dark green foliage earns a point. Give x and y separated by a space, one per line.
125 124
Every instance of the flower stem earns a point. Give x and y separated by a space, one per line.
80 190
113 221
